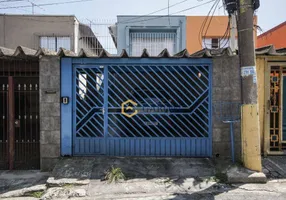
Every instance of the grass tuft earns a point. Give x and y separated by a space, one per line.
114 174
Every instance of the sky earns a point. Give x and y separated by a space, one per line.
270 14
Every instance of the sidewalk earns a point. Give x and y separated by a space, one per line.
147 178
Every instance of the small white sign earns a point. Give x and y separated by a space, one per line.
249 71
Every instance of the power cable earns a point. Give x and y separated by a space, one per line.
180 11
47 4
173 5
200 35
8 1
216 5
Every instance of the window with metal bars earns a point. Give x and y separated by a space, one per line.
154 42
54 43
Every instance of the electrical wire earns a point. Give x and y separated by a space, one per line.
208 26
156 11
226 34
200 35
180 11
8 1
203 30
47 4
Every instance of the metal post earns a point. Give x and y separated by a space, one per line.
11 111
232 142
250 117
105 106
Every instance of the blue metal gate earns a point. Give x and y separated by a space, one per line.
142 107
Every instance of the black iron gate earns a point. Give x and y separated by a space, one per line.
19 112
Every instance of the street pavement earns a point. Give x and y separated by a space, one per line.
148 179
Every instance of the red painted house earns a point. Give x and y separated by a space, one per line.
275 36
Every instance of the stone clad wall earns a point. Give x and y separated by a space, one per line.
49 111
226 88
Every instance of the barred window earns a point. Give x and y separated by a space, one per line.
154 42
54 43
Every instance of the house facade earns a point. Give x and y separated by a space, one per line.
134 33
153 33
274 36
213 37
88 105
47 31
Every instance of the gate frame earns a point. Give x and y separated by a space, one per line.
67 110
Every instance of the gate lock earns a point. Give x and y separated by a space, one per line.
65 100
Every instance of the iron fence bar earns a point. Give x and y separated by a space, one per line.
79 112
94 81
151 121
172 126
136 86
200 78
203 113
155 126
205 106
84 124
122 101
128 85
203 68
176 115
194 126
101 118
92 132
85 93
100 124
139 87
119 89
153 85
116 127
84 131
89 106
150 85
123 117
181 84
85 115
175 86
189 77
123 125
78 109
105 105
201 119
11 111
187 82
163 87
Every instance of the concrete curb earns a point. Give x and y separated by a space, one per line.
52 182
24 191
243 175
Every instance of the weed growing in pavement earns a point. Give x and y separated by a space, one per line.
114 174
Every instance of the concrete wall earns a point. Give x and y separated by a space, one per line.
226 88
49 111
125 24
25 30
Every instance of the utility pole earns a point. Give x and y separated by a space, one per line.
250 133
